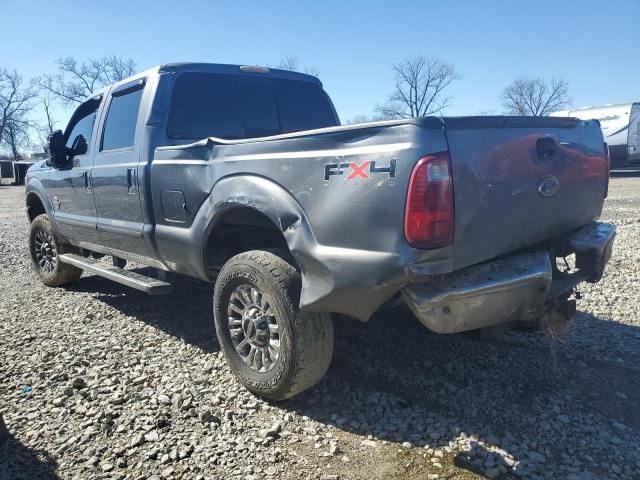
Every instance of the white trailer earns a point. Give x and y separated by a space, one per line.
620 127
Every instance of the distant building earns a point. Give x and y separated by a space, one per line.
620 127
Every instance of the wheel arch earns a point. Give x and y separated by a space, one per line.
334 279
270 212
37 201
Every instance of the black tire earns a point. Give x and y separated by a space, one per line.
51 271
305 340
4 433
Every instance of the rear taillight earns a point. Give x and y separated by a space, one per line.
428 218
607 165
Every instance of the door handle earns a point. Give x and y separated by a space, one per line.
87 181
132 180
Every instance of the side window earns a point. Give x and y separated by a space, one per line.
120 126
82 123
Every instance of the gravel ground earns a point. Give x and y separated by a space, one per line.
99 381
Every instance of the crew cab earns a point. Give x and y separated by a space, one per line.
242 176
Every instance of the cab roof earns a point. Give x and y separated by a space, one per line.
235 70
222 68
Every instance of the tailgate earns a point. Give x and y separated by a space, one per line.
521 180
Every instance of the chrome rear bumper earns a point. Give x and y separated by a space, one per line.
517 288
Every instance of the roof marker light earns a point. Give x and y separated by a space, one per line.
254 69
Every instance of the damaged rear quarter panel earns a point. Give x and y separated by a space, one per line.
345 231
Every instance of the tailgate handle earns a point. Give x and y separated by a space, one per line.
546 147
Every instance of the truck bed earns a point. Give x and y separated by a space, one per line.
346 229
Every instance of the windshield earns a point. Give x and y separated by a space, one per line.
235 107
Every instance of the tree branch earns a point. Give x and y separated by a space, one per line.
419 87
535 96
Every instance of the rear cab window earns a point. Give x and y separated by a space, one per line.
236 107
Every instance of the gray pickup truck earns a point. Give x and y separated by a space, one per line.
242 176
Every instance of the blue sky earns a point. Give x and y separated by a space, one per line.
594 45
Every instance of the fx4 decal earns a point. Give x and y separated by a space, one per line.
362 171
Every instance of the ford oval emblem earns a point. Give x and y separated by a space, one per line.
548 186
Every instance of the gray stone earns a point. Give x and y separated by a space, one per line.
139 380
271 471
273 431
79 383
137 440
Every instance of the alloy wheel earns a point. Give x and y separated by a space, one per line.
254 328
45 251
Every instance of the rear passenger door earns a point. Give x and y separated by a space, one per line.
115 172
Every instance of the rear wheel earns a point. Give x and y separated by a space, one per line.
275 350
45 249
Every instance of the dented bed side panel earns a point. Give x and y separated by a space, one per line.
338 197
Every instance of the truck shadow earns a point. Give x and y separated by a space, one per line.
18 462
186 313
394 380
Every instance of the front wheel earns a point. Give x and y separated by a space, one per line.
275 350
45 248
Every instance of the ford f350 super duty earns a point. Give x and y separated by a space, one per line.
242 176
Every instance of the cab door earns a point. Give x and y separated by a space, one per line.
115 173
74 210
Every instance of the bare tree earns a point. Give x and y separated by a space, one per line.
535 96
420 86
364 119
48 124
77 80
15 103
289 63
46 108
359 119
16 137
292 64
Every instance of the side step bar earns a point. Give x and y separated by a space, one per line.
150 285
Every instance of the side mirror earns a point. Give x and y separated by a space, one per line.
57 149
79 146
